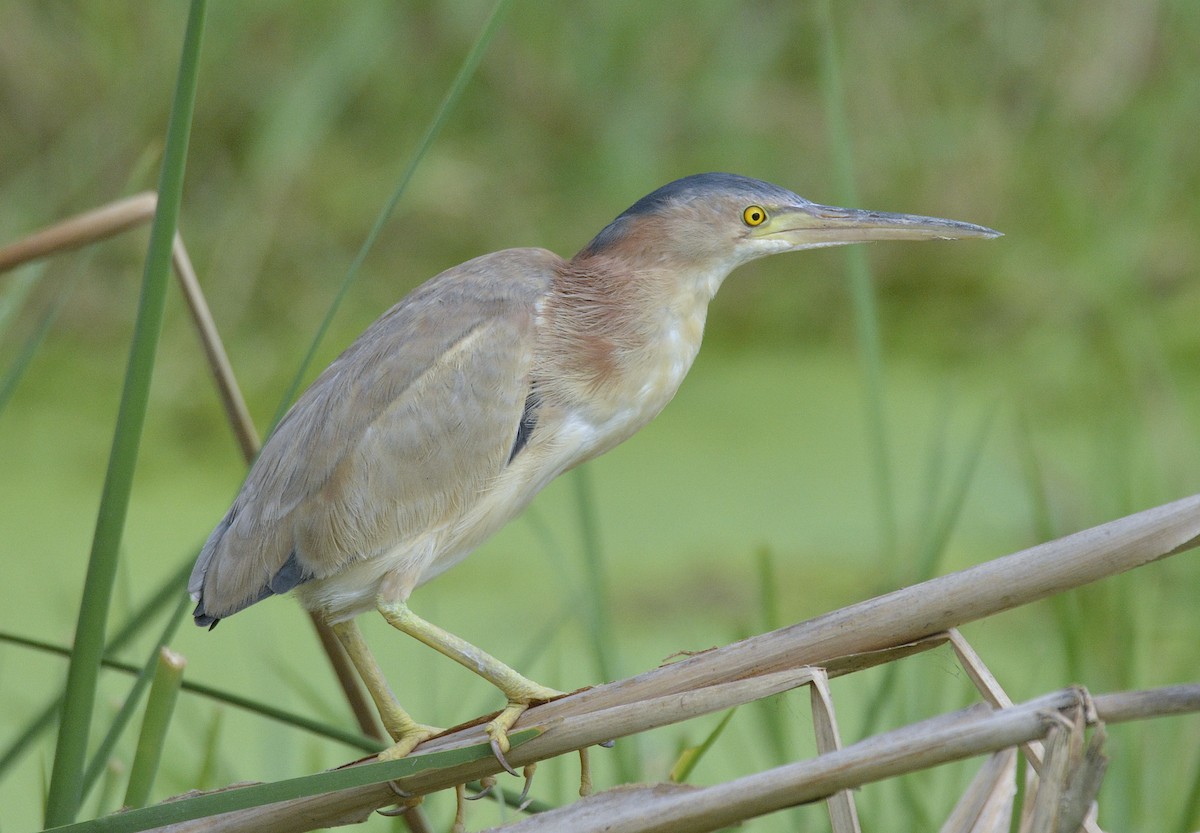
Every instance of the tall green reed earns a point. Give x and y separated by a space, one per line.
66 781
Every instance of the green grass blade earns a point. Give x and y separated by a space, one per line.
110 788
687 761
29 348
598 606
66 780
775 728
15 291
1035 481
942 527
866 317
242 798
862 289
768 590
881 698
1189 817
465 72
206 772
1072 630
770 713
597 597
133 699
170 589
353 739
160 707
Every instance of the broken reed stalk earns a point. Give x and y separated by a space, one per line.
856 636
115 218
81 230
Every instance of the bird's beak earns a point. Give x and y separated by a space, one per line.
811 225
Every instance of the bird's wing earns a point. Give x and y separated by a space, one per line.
397 437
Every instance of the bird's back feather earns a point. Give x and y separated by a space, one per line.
394 440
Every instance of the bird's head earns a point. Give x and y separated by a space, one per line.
715 222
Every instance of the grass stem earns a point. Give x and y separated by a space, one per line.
862 289
66 780
160 706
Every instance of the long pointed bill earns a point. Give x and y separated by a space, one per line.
812 225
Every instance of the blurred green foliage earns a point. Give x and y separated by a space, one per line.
1071 127
1071 130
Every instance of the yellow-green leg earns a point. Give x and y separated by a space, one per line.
520 691
405 731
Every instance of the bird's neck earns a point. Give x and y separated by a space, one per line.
623 339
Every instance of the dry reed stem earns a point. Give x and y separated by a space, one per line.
120 216
214 352
987 685
943 739
861 631
1070 778
349 806
81 230
843 815
986 805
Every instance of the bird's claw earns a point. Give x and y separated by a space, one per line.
486 785
398 810
407 801
523 799
498 744
497 731
407 739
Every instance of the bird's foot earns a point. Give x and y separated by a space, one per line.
497 731
519 700
407 738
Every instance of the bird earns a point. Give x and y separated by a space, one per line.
446 416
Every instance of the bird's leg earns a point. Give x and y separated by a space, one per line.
520 691
405 731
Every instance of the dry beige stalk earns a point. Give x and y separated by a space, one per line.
214 351
904 617
1070 776
113 219
987 804
987 685
843 815
973 731
81 230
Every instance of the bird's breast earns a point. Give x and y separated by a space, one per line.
615 341
639 378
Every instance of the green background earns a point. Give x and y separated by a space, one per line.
1070 345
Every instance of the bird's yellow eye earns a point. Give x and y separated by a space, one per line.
754 215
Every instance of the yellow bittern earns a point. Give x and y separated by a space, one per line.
444 419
